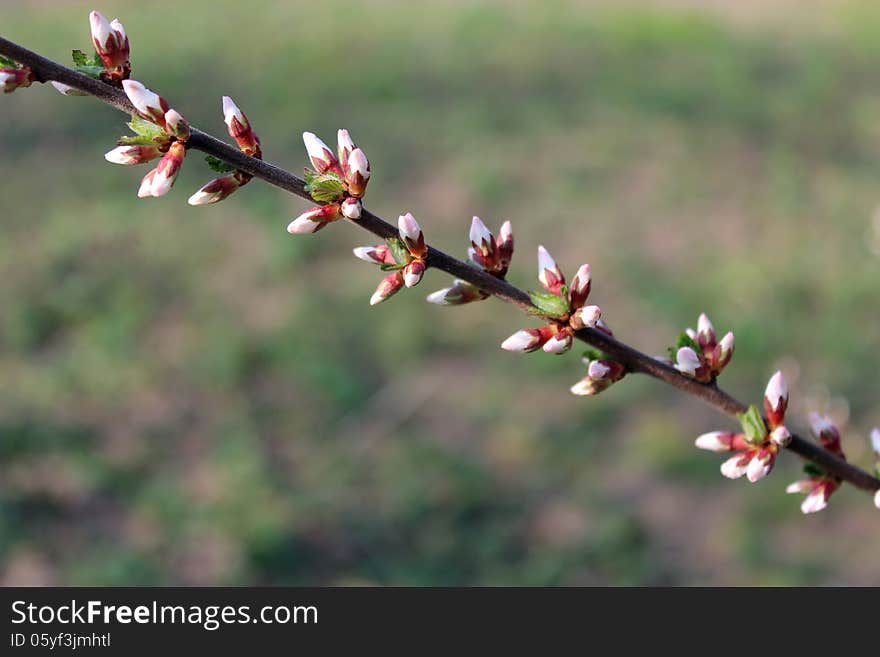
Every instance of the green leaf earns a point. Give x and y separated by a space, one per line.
5 62
81 59
386 267
400 253
325 187
135 140
683 340
753 425
813 470
549 304
594 354
218 165
141 126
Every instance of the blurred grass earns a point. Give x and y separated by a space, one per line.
191 396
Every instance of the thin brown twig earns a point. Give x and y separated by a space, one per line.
46 70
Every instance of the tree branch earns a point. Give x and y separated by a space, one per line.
46 70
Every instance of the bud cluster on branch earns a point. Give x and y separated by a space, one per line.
337 182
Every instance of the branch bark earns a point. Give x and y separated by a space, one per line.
46 70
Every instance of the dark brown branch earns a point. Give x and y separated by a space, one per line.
47 70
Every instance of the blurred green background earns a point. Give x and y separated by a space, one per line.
193 396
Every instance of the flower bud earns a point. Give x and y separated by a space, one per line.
358 173
15 78
725 350
587 316
167 169
776 399
505 244
718 441
111 44
600 375
761 464
311 221
549 273
875 440
461 292
483 244
411 234
528 340
413 273
687 361
378 254
345 146
781 436
826 432
321 156
705 331
389 286
239 128
215 191
736 466
176 125
67 90
351 208
559 343
132 154
149 104
146 187
580 287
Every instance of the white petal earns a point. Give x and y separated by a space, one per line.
439 297
584 387
777 390
589 315
758 468
230 111
303 225
118 155
877 499
358 163
545 261
101 29
479 233
597 370
704 326
117 27
344 140
142 98
409 227
712 442
802 486
520 341
875 439
67 90
201 198
732 469
781 436
814 502
558 344
687 361
726 343
506 232
316 148
351 208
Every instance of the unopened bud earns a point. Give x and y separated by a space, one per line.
461 292
411 234
585 317
148 103
580 287
176 125
216 190
413 272
389 286
321 156
132 154
776 399
351 208
358 173
15 78
549 273
311 221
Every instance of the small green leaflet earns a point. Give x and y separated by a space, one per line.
813 470
93 67
753 425
144 128
684 340
548 304
386 267
5 62
135 140
325 187
398 251
218 165
594 354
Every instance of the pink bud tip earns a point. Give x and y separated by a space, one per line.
736 466
522 341
715 441
777 391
